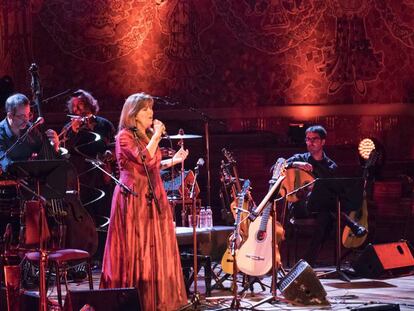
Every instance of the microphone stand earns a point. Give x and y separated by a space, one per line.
97 164
47 100
19 140
150 196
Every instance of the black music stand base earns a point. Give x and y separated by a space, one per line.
335 274
270 300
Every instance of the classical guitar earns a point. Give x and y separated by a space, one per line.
255 255
235 239
349 240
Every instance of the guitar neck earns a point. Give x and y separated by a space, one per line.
236 179
265 217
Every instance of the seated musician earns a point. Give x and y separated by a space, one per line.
323 202
14 125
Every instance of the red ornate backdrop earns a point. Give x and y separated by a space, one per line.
259 65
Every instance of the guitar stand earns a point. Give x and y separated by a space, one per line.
273 298
219 280
236 300
249 281
195 299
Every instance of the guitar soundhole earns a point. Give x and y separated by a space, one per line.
261 235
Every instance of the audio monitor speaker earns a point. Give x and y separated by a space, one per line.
302 286
125 299
381 260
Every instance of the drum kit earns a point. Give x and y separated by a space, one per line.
172 183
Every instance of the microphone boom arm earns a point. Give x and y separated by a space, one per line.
97 164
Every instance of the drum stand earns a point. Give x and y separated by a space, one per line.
195 300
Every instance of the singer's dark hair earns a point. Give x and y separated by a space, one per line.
86 98
132 105
14 101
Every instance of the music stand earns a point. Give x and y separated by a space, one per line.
348 193
50 180
49 175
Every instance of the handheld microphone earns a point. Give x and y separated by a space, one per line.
164 132
199 164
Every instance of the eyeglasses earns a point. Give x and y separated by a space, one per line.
312 139
24 116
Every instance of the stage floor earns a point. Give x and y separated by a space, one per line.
341 295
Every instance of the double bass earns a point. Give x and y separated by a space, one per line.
75 226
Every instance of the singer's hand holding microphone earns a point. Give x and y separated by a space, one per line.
159 128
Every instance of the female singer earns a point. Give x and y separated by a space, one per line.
141 248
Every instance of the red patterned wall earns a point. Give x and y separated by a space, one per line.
251 56
215 53
242 61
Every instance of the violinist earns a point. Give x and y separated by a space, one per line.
323 202
14 125
83 109
88 135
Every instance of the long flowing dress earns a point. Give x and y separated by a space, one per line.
129 260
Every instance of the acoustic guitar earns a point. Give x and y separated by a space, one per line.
255 255
349 240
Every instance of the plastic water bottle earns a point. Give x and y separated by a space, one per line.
203 218
209 217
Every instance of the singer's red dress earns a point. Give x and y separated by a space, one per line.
129 260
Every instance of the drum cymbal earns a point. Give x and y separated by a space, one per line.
185 136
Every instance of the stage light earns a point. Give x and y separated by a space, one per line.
365 147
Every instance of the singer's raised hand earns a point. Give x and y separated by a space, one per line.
180 156
53 138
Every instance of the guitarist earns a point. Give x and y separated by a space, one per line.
322 202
